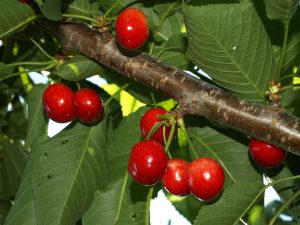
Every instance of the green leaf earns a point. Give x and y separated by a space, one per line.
12 166
14 16
23 210
78 7
50 9
120 209
232 155
121 141
78 68
37 122
4 209
69 168
229 42
230 208
281 10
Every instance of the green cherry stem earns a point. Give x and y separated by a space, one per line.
182 127
170 138
29 63
149 197
41 49
279 211
155 127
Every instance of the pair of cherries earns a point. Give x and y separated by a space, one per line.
148 164
62 105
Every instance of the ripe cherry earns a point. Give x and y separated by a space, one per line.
88 106
175 179
265 154
58 103
147 162
205 178
148 120
131 28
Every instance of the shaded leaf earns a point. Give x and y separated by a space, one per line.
78 7
229 42
12 166
281 10
121 210
50 9
14 16
78 68
230 208
37 122
69 168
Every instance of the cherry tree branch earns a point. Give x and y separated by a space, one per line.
195 96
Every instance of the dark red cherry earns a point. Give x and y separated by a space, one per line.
131 28
265 154
205 178
147 162
88 106
175 177
58 103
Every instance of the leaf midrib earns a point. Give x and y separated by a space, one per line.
233 61
77 172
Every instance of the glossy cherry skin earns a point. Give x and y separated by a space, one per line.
88 106
147 122
58 103
265 154
147 162
131 28
205 178
175 178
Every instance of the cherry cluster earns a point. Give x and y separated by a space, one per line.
62 105
148 163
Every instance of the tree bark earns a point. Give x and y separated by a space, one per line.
195 96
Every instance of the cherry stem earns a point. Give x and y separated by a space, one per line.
149 197
41 49
155 127
170 138
182 127
279 211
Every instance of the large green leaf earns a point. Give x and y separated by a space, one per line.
232 155
78 7
78 68
281 10
37 122
229 42
14 16
12 166
121 141
69 168
23 210
50 9
231 207
120 209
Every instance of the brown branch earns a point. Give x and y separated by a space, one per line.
195 96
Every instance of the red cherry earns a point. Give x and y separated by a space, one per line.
147 122
88 106
174 179
205 178
58 103
131 28
265 154
147 162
